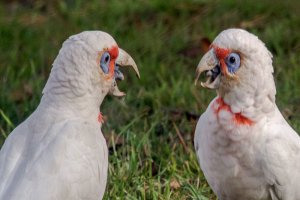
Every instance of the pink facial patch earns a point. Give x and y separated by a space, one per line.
221 54
237 118
114 52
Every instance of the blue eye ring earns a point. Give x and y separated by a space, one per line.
104 62
233 62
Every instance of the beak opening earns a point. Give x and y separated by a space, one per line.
123 60
210 65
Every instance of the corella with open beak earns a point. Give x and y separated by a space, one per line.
124 59
59 151
211 66
245 147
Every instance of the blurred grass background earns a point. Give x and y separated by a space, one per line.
150 132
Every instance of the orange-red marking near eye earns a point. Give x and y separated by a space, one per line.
238 118
221 54
113 52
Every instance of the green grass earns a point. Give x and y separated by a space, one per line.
146 155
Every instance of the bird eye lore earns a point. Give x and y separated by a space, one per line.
104 62
233 62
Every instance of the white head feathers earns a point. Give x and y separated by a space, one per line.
75 71
250 88
80 70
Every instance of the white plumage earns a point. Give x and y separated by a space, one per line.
59 152
245 147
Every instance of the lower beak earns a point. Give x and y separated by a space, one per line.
124 59
210 65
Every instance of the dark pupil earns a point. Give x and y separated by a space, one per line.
106 58
232 59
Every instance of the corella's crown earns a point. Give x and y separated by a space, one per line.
88 64
235 54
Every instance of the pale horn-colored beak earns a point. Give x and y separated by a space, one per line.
209 64
124 59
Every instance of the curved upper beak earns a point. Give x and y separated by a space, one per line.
124 59
210 65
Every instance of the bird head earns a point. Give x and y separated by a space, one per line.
238 64
88 64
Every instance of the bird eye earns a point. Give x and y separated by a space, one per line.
233 62
104 62
232 59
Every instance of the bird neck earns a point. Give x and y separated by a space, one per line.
71 91
253 106
86 106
